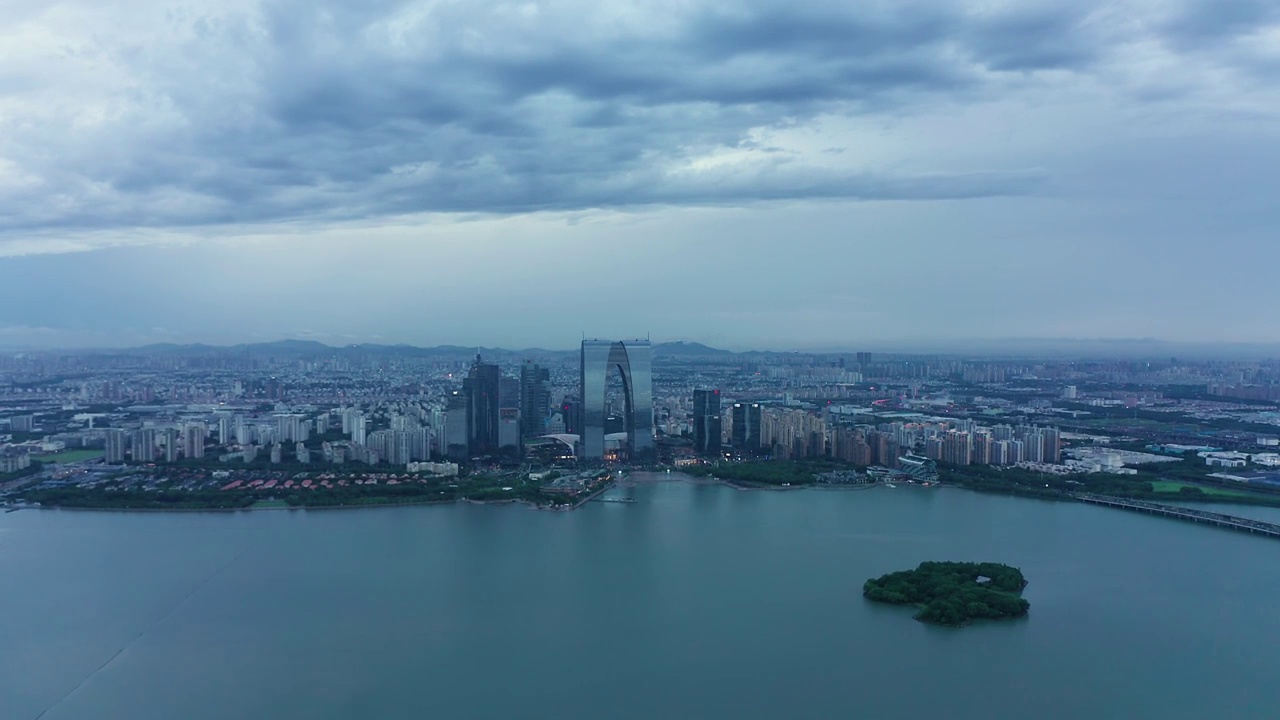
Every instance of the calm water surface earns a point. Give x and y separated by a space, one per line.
695 601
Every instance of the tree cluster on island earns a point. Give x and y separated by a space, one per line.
954 593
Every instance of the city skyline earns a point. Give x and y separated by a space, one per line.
769 176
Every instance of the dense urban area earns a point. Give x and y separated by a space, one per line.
295 423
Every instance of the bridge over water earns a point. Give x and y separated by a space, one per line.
1231 522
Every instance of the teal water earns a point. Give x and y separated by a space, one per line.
695 601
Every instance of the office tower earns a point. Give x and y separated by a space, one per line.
482 390
747 419
457 427
115 446
194 436
632 358
571 414
171 445
535 398
706 421
509 424
144 445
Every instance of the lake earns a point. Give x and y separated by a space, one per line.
694 601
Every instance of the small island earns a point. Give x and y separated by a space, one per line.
954 593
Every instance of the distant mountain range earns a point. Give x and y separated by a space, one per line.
314 349
1048 348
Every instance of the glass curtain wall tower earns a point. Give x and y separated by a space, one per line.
632 358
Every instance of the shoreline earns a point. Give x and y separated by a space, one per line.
629 481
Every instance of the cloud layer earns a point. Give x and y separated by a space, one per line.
146 114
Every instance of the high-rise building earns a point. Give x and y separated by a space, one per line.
359 429
957 447
571 414
456 427
1052 445
482 388
1000 452
420 444
706 421
861 455
509 426
747 418
933 448
535 398
193 438
982 448
22 423
115 446
224 429
171 445
633 359
1033 446
292 427
144 445
243 432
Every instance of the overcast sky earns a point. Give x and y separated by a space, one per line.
764 174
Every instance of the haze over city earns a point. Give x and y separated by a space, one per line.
639 359
516 174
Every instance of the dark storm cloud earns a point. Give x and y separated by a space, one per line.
340 110
1201 24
